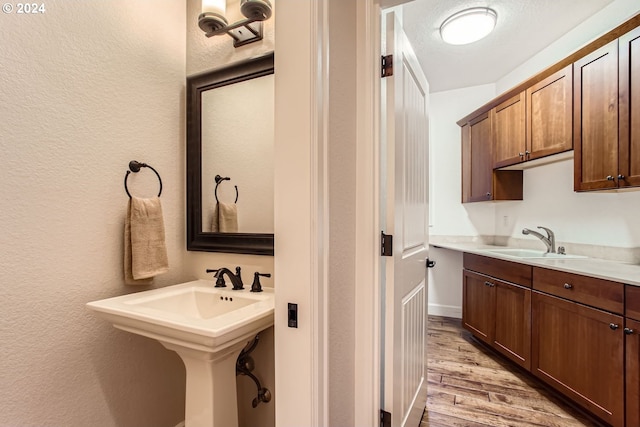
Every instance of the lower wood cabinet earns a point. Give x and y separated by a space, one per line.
632 344
580 351
579 334
499 313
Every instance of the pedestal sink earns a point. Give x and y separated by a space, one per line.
207 327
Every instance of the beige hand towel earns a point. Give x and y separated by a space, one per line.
225 218
145 252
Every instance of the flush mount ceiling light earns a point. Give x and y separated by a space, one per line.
213 22
468 26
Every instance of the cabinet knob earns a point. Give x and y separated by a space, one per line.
491 285
628 331
609 178
488 194
620 176
568 286
521 154
527 152
613 326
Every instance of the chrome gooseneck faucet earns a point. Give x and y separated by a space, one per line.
549 240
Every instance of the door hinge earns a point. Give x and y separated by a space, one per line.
386 66
386 244
385 418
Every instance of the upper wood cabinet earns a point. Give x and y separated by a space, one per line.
629 138
549 115
595 132
607 116
509 139
536 122
479 181
476 159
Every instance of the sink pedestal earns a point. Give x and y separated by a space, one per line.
211 385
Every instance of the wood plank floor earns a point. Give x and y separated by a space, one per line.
470 386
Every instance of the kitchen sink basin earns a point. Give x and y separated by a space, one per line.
207 327
531 254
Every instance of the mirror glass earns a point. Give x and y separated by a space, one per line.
230 158
237 143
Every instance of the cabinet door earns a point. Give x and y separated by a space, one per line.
508 131
478 305
549 115
629 143
595 119
476 160
632 331
579 351
512 335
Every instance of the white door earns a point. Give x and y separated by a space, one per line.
404 186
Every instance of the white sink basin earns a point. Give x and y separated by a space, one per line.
532 254
207 327
194 314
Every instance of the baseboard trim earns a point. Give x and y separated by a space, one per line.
445 310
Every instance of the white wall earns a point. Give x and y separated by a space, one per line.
86 87
448 216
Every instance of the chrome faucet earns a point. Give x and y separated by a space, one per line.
549 241
236 279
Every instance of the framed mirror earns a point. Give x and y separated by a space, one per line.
230 158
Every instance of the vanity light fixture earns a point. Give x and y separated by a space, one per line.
213 22
468 26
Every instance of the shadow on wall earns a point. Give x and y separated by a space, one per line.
134 379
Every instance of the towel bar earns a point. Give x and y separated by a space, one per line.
219 179
134 166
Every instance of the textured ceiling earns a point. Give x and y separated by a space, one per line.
524 28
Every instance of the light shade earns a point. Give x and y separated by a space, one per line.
468 26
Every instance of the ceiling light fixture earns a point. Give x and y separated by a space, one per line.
213 22
468 26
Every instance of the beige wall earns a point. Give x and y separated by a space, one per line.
86 87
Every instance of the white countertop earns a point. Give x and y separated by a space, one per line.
603 269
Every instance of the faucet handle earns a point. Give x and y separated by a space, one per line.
220 283
256 286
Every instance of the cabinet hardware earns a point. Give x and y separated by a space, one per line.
521 154
609 178
620 176
613 326
568 286
491 285
488 195
628 331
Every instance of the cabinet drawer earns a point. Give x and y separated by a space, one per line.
598 293
505 270
632 299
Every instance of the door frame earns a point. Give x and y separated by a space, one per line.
302 34
367 281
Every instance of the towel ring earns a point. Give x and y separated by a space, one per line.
219 179
134 167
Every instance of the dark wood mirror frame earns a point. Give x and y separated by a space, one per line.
197 240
